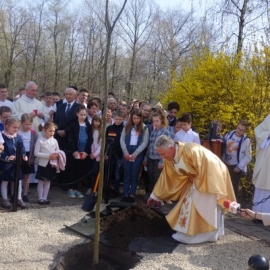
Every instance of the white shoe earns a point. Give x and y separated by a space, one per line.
78 194
71 193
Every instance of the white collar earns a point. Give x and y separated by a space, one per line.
71 103
28 99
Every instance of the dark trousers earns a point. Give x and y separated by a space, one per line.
145 177
75 171
153 172
112 172
131 173
235 178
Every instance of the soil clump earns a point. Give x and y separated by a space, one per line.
121 228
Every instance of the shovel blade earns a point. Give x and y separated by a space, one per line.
89 203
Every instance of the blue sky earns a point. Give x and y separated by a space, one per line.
173 3
199 6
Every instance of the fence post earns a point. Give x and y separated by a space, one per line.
17 175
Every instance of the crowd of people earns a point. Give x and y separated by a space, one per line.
63 137
51 127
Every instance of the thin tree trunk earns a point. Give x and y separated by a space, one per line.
241 27
109 30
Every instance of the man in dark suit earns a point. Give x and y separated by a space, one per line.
62 101
65 115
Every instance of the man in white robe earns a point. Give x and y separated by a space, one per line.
200 182
261 173
28 103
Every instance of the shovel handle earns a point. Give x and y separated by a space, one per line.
96 183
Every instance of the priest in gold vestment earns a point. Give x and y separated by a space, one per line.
200 182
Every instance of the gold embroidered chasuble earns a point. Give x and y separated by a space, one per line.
195 171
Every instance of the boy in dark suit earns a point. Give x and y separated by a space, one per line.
113 134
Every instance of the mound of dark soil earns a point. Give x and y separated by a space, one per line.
138 220
118 231
110 258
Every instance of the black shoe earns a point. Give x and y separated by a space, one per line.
41 202
172 240
25 199
131 199
146 197
106 212
46 202
114 194
92 214
124 199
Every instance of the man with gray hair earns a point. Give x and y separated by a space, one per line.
28 103
112 105
200 182
65 115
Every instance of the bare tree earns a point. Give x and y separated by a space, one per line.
47 42
58 31
37 33
13 19
176 35
109 30
92 48
136 27
242 18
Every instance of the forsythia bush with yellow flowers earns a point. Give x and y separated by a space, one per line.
219 86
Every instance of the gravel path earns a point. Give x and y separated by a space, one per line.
30 239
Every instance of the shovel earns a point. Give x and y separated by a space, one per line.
90 200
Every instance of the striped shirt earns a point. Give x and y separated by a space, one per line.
151 152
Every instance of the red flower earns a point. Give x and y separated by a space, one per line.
183 221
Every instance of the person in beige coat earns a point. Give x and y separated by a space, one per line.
45 150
